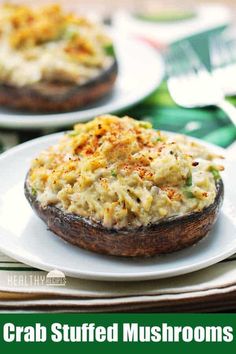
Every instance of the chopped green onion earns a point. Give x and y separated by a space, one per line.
215 172
113 173
110 50
189 180
33 192
189 194
145 125
159 139
73 133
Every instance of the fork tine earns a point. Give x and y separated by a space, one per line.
170 64
181 58
222 52
177 63
223 62
198 89
189 82
193 58
214 48
173 67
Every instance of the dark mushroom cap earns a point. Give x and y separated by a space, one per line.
168 235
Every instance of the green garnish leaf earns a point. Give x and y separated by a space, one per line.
113 173
73 133
189 180
110 50
188 194
145 125
215 172
159 139
33 192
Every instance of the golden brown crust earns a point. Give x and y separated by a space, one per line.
58 97
167 236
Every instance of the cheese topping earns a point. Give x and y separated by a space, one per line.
46 44
122 173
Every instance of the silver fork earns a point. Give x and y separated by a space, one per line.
191 85
223 62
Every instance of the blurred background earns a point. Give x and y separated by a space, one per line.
164 25
108 7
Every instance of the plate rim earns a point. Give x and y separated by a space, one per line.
104 276
101 276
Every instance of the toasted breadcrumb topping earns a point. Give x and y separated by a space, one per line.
46 43
122 173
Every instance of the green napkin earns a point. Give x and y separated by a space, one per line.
209 124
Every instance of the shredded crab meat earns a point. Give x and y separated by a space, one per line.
122 173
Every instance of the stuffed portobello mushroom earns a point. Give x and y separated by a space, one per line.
116 186
52 61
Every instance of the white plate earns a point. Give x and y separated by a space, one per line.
141 71
24 236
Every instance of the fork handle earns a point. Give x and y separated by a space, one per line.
229 109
